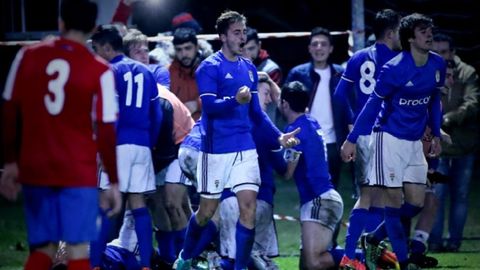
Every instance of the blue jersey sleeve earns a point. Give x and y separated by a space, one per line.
341 98
156 120
278 162
384 88
207 81
435 106
161 74
259 117
156 116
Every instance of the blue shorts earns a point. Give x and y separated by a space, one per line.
116 258
60 214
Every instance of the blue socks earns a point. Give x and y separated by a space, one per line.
97 248
407 212
396 234
179 239
143 229
166 245
355 228
376 215
244 238
197 238
337 254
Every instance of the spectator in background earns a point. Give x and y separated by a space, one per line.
186 20
182 70
260 57
461 121
320 77
135 44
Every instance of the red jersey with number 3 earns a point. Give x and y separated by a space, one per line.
60 89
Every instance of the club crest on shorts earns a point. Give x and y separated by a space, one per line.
392 176
217 182
437 76
250 75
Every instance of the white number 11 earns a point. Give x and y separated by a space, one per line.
139 81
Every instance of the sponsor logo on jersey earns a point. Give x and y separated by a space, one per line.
250 75
414 102
437 76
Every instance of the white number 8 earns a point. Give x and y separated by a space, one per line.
56 86
367 70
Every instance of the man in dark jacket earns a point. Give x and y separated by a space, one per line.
321 77
460 120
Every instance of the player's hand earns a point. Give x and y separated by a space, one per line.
114 198
243 95
288 140
445 137
435 148
9 187
348 151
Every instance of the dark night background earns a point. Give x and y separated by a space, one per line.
457 18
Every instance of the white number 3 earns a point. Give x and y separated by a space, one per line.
56 86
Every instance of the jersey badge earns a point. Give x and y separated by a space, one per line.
437 76
250 75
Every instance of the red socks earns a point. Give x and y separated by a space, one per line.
38 261
81 264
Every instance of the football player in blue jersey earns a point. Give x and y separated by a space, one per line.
359 80
227 85
406 98
321 205
270 158
137 130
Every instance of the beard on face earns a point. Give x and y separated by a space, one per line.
186 61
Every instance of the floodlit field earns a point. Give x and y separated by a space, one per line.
13 247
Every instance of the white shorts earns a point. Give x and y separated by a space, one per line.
238 171
364 153
396 161
172 174
188 159
135 170
327 209
265 233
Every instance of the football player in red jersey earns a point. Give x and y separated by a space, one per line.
60 110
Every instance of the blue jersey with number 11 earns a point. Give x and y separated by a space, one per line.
139 108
